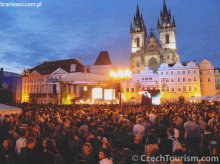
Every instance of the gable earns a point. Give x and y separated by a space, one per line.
59 72
35 73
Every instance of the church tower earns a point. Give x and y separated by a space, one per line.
138 32
167 28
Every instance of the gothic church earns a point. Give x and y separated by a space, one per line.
146 49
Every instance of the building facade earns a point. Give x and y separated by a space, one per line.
217 80
207 78
68 81
146 49
179 80
42 85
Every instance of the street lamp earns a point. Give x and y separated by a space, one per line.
120 76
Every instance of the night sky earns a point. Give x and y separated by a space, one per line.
62 29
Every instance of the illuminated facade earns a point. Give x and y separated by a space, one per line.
207 78
146 49
217 80
68 81
41 84
179 80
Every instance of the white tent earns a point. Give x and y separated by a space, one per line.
6 109
84 78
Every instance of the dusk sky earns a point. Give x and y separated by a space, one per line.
63 29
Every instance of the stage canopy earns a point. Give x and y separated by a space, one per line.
6 109
85 78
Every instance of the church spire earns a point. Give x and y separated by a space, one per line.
174 23
165 8
138 22
165 17
138 13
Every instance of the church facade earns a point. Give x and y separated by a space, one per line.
146 49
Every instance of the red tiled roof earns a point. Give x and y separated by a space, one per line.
103 59
51 66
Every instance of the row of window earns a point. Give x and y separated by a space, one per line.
178 80
171 89
146 78
179 72
35 80
179 89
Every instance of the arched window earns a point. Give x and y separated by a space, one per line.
138 42
167 38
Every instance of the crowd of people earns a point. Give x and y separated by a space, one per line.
90 134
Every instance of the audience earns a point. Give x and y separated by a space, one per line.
107 134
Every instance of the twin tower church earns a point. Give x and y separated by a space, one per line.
146 49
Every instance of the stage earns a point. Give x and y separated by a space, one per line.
6 109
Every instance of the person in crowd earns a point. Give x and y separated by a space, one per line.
21 142
138 128
27 154
151 146
86 155
206 141
137 146
169 143
7 154
104 157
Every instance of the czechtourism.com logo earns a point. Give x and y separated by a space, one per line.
21 4
167 158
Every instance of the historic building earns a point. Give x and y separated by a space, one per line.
103 64
207 78
41 84
146 49
217 80
179 80
186 79
67 81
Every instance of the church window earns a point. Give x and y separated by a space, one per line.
167 38
184 79
138 42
